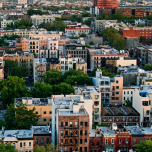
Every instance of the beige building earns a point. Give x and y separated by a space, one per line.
73 63
43 107
5 22
95 94
34 46
1 67
40 66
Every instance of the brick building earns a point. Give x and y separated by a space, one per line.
122 115
137 32
73 131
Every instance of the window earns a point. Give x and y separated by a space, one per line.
47 140
92 143
66 148
134 140
14 144
126 140
112 141
85 149
124 92
70 132
36 141
66 132
97 144
44 119
106 141
81 133
50 119
66 124
61 133
66 141
75 132
117 81
86 124
81 124
80 141
61 124
147 112
61 149
96 96
86 132
117 92
76 124
75 141
117 87
42 141
131 92
20 144
117 98
24 144
70 124
120 141
96 103
124 98
61 141
36 112
50 112
80 149
70 141
127 92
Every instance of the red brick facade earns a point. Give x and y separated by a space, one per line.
73 133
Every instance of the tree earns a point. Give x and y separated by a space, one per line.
13 87
91 43
41 90
142 38
128 103
79 80
88 21
7 148
49 148
145 145
131 53
63 88
12 68
20 117
2 123
53 77
148 67
104 72
83 35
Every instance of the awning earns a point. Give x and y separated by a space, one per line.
109 146
123 146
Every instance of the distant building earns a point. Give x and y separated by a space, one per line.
5 22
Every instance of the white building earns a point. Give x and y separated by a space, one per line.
69 103
38 19
5 22
104 85
77 63
142 103
22 1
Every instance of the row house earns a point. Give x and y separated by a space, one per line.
119 115
26 140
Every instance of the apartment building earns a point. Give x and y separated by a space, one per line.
5 22
95 94
103 83
43 107
22 1
34 46
22 44
142 103
116 90
99 57
68 63
38 19
78 30
119 115
23 60
2 63
76 48
137 32
68 109
73 130
40 66
149 56
22 32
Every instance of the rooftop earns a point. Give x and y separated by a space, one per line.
106 131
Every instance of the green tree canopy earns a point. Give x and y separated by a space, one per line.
11 37
83 35
128 103
88 21
91 43
142 38
104 72
14 69
13 87
7 148
20 117
144 146
49 148
31 11
114 38
53 77
148 67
